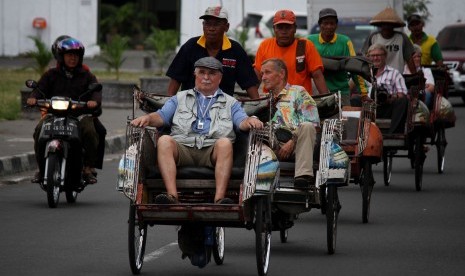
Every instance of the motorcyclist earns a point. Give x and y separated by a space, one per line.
99 127
70 79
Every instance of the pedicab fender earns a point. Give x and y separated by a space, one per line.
374 147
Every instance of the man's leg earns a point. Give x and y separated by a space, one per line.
306 136
222 158
398 115
167 154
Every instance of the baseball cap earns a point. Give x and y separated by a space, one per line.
414 17
284 17
218 12
328 12
209 62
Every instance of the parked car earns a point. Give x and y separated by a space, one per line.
356 28
256 26
451 39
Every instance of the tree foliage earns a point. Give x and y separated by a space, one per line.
42 55
417 6
128 20
112 53
164 43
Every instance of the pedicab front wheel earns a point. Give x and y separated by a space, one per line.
332 212
137 238
366 185
218 246
441 148
262 233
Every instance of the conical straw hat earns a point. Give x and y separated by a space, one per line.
388 15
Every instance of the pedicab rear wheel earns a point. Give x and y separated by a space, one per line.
441 144
387 167
283 233
137 238
366 185
332 212
419 160
262 233
218 245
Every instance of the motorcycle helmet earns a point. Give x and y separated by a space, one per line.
55 44
70 45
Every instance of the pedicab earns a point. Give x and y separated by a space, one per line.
442 115
361 140
413 137
202 231
331 170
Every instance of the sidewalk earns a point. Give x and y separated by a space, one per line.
16 143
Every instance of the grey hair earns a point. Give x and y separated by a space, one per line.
278 65
417 49
377 46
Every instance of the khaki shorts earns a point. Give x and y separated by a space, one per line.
192 156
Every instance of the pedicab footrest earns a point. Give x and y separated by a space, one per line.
167 214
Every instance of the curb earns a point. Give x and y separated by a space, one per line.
14 164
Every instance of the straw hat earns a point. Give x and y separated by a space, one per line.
389 16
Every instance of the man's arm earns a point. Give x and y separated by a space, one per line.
319 80
173 87
249 123
253 92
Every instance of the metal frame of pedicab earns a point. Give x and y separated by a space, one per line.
437 135
288 202
411 140
251 210
362 140
364 151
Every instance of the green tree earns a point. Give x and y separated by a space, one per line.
112 53
417 6
42 55
164 43
128 20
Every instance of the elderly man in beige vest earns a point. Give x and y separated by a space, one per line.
203 121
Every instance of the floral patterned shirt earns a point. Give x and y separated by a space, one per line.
294 105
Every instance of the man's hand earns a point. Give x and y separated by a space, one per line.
365 98
91 104
251 122
31 101
285 152
141 121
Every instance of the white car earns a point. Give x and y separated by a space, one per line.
257 26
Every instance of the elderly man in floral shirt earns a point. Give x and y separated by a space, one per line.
295 111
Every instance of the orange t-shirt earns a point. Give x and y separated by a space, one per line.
269 49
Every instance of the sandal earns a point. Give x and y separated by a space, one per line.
89 178
166 199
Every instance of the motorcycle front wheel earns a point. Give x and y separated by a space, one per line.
53 173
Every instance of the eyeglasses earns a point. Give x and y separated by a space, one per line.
376 55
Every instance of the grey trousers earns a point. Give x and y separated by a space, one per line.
306 136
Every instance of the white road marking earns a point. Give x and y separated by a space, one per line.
160 252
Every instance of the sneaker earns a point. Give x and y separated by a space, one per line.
225 201
165 199
304 181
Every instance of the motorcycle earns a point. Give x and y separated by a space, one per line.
60 142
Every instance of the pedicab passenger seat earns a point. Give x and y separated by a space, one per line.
195 177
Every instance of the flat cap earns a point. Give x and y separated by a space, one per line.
217 12
209 62
327 12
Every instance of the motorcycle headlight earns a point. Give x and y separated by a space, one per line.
60 104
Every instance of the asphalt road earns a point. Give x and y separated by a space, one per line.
409 233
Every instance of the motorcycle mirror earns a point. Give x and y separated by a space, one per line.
91 88
31 83
95 87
